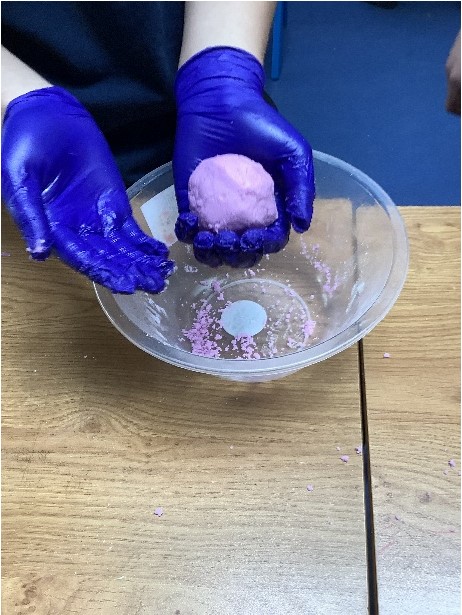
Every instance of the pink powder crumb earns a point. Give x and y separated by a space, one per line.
337 448
386 355
218 337
452 463
309 488
345 458
190 269
445 472
6 253
216 287
308 328
199 334
252 273
329 286
359 449
159 511
248 347
221 297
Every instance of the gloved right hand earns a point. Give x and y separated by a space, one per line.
62 186
222 110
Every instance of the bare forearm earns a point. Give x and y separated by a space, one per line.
235 24
18 78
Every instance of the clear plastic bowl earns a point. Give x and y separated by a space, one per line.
326 290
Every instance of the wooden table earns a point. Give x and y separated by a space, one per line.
97 436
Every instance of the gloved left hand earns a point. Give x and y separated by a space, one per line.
221 110
64 191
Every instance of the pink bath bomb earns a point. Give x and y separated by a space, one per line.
232 192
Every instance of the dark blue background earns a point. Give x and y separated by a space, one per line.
368 85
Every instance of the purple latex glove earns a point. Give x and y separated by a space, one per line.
221 110
64 191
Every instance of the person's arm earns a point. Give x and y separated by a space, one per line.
18 79
244 25
453 76
221 109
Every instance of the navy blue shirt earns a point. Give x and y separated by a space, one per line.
118 58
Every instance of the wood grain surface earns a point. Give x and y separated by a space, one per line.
97 435
414 425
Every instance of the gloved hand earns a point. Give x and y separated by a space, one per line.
221 110
64 191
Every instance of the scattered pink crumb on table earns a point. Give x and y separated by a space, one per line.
386 355
345 458
6 253
216 286
337 448
359 449
252 273
452 463
445 472
159 511
309 488
190 269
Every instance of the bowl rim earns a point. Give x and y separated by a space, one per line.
301 358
